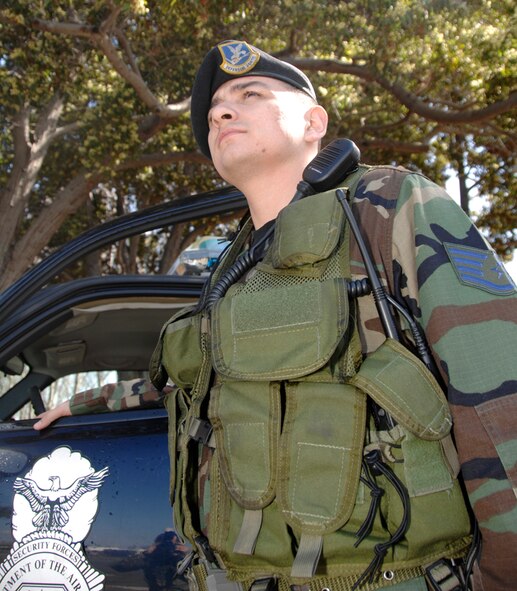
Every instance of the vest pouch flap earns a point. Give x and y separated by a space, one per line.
181 350
320 455
245 417
307 231
401 384
279 332
177 404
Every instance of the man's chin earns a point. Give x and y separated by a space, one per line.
233 163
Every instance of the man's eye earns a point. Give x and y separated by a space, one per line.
249 93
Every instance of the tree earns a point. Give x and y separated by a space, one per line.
95 100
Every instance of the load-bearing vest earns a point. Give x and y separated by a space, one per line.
304 484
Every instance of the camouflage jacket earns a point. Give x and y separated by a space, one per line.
434 261
119 396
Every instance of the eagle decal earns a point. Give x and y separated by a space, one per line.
51 505
54 506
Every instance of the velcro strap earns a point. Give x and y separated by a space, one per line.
248 534
308 556
450 455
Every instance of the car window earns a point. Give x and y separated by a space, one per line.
7 381
199 257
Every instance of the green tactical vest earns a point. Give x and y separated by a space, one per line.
276 368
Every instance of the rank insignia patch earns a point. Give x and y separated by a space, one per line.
238 57
479 268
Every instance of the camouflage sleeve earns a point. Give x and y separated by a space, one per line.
467 304
119 396
435 261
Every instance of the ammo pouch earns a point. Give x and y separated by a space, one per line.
287 490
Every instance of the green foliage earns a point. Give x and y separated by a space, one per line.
449 56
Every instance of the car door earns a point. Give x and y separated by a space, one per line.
84 504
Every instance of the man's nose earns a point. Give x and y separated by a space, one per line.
223 111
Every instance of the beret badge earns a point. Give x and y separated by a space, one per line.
238 57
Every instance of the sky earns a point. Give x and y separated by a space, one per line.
476 204
511 267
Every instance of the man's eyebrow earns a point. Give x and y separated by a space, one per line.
237 88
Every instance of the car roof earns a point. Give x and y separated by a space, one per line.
113 328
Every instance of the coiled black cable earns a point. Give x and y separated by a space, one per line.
358 288
232 275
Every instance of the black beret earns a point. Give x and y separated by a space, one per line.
224 62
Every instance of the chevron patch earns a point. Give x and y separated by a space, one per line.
479 268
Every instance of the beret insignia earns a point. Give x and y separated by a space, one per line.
238 57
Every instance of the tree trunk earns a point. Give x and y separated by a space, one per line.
457 151
30 149
30 245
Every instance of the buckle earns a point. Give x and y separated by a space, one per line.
205 549
200 431
264 584
184 563
444 575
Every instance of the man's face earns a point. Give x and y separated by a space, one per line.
253 121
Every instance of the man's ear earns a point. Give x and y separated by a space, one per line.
317 120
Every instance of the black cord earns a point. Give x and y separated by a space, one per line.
376 493
358 288
418 338
232 275
473 553
374 461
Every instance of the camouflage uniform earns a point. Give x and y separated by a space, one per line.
435 261
432 258
119 396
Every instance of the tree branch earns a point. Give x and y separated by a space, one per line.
408 99
109 22
43 227
70 29
68 128
101 38
20 133
29 156
28 159
124 43
45 129
135 80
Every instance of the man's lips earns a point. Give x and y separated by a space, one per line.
230 131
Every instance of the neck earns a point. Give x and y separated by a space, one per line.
265 200
269 193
